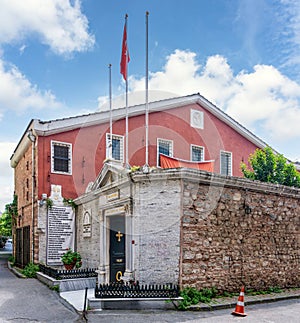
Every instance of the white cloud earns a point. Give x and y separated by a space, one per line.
289 31
263 95
18 94
22 49
134 98
6 177
58 23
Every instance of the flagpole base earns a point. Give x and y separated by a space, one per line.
146 169
127 166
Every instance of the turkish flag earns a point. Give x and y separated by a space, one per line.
125 54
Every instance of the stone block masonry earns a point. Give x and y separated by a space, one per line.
239 232
157 230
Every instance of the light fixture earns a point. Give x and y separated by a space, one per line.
146 169
247 209
31 136
42 202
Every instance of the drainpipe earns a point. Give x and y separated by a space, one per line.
32 138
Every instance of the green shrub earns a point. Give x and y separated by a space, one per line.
275 289
12 260
55 288
30 270
192 296
269 290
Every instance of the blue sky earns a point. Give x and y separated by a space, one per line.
243 55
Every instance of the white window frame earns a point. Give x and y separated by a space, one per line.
170 142
197 119
65 144
121 139
197 147
230 154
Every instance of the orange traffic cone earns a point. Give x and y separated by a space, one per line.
239 309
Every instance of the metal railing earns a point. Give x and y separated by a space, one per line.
118 290
67 274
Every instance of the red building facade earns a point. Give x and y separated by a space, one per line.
70 152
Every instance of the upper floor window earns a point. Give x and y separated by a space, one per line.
197 153
164 147
226 163
61 157
116 146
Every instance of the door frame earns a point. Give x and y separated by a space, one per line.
122 219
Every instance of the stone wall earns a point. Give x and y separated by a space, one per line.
236 231
200 229
42 233
156 211
88 246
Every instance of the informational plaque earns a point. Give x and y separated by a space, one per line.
87 227
61 233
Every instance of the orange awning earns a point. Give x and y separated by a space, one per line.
170 162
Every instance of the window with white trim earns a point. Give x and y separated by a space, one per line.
165 147
197 153
117 147
61 158
226 163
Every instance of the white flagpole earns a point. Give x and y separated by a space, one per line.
146 166
126 101
110 115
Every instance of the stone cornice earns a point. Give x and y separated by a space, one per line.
218 180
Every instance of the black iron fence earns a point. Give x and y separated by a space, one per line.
117 290
68 274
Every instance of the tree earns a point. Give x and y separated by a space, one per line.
8 217
270 167
5 224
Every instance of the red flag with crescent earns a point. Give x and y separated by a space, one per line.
125 54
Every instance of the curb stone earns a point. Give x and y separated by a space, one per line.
223 303
14 271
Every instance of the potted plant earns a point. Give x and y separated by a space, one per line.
71 258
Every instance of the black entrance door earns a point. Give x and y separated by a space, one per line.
22 246
117 247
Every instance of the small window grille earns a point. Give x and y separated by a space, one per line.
164 147
61 158
117 147
197 153
226 163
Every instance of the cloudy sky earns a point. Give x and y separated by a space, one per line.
242 55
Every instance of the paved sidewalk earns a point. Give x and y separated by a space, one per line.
230 302
76 299
28 300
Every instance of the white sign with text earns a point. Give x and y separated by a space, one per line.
60 233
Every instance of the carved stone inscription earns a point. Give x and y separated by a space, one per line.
61 228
